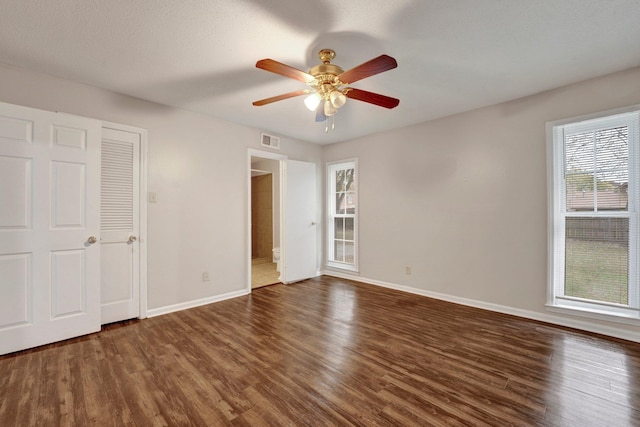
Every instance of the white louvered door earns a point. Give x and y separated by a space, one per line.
119 225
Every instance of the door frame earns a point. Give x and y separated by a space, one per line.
281 158
142 239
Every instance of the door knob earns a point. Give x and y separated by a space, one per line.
132 239
92 239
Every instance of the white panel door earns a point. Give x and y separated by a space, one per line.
299 252
49 217
120 225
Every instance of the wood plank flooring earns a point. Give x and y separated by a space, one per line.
325 352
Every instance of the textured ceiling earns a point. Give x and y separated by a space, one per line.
453 55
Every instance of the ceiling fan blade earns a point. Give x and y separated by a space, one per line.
372 98
375 66
281 97
284 70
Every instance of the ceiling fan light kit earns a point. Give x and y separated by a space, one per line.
312 101
328 82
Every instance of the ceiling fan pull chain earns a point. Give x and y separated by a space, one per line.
331 118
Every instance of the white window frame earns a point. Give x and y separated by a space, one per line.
332 168
556 300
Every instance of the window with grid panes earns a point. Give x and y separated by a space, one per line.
594 220
342 215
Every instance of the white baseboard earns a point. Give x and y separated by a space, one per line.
527 314
195 303
203 301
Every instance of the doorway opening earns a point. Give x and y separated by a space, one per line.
265 223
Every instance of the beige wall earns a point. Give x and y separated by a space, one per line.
262 216
273 166
197 165
463 200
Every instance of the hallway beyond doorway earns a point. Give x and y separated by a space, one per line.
263 272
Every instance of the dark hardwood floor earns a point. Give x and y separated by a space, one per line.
325 352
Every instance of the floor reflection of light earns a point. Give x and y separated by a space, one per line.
590 381
343 303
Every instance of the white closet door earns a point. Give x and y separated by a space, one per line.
299 255
49 222
120 225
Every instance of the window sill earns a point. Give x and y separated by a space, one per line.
628 319
342 267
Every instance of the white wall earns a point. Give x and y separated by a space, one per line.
197 165
463 200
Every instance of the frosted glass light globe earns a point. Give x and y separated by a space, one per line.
312 101
329 109
337 98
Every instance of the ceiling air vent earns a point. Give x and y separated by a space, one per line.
270 141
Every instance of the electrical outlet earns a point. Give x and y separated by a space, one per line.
407 270
205 276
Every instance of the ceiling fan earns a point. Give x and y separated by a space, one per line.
328 83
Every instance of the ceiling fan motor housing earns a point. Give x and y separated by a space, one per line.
326 74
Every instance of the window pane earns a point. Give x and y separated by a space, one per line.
611 192
579 167
345 203
341 203
339 228
597 170
580 194
345 180
579 154
612 149
612 164
348 252
338 251
596 259
350 180
348 225
350 203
